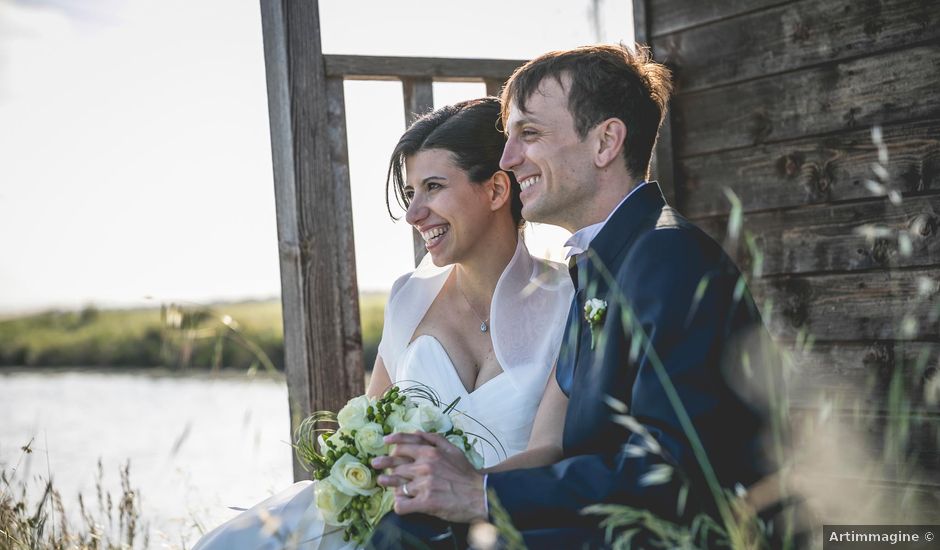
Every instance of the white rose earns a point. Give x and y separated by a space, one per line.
330 501
432 419
475 458
369 440
456 440
353 415
408 421
378 505
352 477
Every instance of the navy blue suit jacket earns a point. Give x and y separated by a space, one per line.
659 273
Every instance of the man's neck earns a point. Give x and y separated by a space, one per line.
604 203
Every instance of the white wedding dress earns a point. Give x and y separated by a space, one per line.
527 317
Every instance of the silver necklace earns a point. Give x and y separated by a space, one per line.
484 327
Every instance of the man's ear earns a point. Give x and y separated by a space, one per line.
500 190
611 136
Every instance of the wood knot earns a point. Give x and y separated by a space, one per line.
923 225
880 359
881 251
761 126
817 180
929 171
789 165
796 295
801 32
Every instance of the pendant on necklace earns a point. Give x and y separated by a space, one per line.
483 327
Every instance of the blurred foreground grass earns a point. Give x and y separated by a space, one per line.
247 335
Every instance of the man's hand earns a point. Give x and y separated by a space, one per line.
441 481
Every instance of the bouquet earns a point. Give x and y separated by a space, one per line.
340 459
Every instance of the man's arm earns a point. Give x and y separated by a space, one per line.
679 295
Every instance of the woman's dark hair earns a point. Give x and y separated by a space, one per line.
471 132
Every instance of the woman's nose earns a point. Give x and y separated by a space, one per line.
416 212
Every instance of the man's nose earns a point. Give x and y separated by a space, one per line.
512 156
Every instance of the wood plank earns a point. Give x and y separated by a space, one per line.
893 87
794 35
810 171
322 339
667 16
369 67
418 96
853 376
641 22
855 306
827 238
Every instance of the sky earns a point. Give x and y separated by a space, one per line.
135 157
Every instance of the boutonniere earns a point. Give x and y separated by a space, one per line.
594 311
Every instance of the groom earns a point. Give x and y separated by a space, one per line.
666 386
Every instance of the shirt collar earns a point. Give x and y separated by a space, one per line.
582 238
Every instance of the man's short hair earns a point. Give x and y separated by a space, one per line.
605 81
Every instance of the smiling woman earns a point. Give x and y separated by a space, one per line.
445 172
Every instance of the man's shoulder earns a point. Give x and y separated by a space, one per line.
671 233
672 246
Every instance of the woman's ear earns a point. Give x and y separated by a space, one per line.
500 190
611 136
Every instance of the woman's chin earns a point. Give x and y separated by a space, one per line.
438 259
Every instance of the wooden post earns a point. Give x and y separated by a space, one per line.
662 163
418 95
322 336
493 86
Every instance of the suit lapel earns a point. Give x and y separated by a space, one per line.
605 253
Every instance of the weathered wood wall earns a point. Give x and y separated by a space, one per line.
776 101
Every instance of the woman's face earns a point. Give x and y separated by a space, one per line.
451 213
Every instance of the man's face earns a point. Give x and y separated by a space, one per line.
553 165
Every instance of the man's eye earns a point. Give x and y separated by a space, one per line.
527 132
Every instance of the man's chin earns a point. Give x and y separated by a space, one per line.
533 213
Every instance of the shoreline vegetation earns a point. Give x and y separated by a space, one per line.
171 338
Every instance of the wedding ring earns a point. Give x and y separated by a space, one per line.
404 489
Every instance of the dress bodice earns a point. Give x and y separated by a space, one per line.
497 411
527 317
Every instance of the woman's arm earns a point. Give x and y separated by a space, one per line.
379 381
546 439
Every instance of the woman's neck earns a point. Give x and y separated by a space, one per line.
476 278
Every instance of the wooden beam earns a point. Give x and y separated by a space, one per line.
368 67
322 338
824 238
675 15
811 170
880 89
898 304
792 36
418 95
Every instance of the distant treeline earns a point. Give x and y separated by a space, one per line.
246 335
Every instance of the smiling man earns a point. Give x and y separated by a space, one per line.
662 412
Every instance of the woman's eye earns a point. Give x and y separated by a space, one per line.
432 185
528 133
409 195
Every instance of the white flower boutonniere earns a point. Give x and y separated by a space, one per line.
594 311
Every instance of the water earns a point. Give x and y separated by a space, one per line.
196 444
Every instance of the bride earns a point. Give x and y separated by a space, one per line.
480 319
